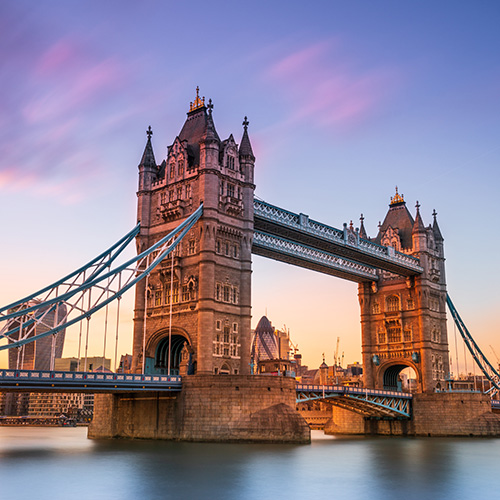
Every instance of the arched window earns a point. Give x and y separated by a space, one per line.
392 303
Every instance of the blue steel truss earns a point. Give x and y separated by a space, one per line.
368 402
24 315
481 360
57 381
277 230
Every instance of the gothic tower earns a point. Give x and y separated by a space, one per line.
196 319
403 320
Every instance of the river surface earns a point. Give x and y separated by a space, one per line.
61 463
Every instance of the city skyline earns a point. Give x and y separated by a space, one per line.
342 108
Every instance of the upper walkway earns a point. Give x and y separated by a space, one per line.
296 239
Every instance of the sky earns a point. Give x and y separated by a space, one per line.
345 99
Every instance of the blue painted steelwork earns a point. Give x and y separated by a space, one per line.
271 221
101 262
138 267
57 381
368 402
486 367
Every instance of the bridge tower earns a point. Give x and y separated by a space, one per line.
197 304
403 320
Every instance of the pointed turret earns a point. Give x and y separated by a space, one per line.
418 225
245 146
148 157
362 230
435 228
147 166
419 233
148 172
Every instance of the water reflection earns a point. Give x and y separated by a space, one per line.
61 463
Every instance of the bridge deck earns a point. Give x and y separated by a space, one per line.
56 381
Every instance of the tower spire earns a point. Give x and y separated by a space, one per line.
418 225
245 146
148 157
362 230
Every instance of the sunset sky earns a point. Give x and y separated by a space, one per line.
345 100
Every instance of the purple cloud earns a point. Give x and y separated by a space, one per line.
320 84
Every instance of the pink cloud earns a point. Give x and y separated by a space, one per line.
56 58
320 84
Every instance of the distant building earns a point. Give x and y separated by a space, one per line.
36 355
270 353
92 364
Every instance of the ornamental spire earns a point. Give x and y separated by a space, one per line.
397 198
198 102
245 146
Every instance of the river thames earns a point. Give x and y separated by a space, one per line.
61 463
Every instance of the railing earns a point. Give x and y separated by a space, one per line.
342 389
341 237
86 381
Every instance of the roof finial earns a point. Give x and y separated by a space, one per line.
198 103
245 123
417 206
149 132
210 106
397 198
434 214
361 218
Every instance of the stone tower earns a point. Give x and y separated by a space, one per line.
193 315
403 320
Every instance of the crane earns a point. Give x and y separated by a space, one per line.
336 355
495 354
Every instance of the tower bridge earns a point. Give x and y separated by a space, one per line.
199 223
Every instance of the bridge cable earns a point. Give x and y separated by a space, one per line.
117 323
145 319
482 361
160 249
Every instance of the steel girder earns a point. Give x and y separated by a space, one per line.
367 402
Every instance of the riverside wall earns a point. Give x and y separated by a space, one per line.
231 408
434 414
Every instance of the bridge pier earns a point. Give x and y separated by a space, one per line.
209 408
437 414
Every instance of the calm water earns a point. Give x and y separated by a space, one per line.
60 463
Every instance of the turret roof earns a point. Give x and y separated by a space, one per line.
245 146
398 217
148 157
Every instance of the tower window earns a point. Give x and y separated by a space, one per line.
230 190
230 162
191 247
188 191
393 303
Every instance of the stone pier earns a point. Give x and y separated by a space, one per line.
210 408
434 414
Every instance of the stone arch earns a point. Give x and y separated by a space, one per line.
157 352
389 374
